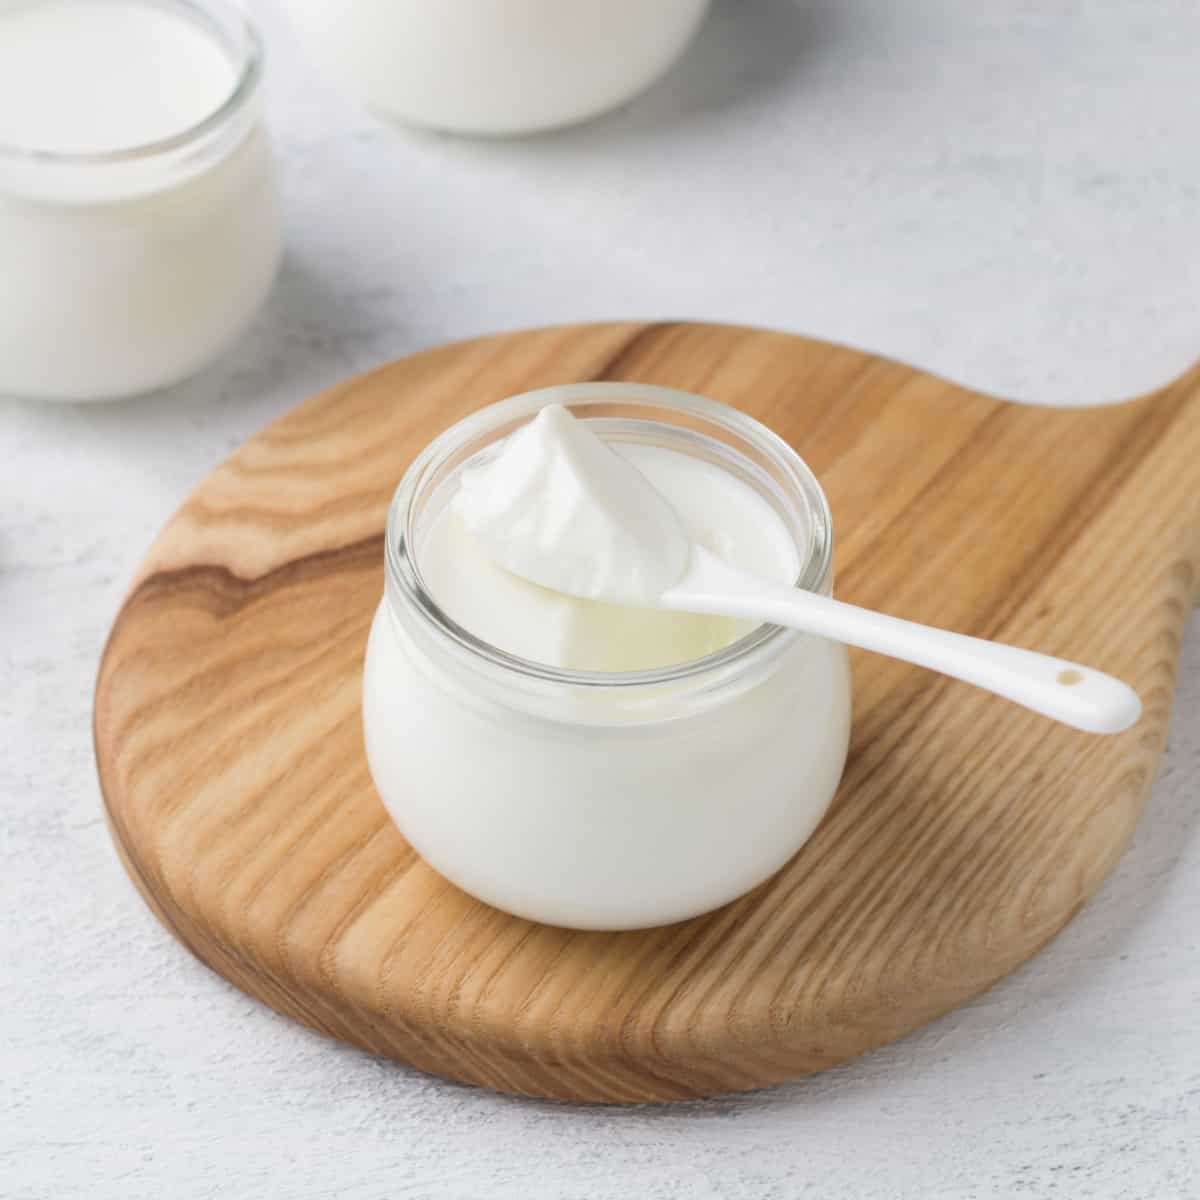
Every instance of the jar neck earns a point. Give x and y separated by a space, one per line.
631 412
111 175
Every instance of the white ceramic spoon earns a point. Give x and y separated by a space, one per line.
1069 692
557 506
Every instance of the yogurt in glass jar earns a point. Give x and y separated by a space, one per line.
592 765
495 67
139 218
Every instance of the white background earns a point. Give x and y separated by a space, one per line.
1008 193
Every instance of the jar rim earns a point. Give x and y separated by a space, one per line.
238 36
744 654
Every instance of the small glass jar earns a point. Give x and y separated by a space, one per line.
594 800
127 270
495 67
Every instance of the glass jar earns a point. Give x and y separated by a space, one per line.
595 800
127 270
495 66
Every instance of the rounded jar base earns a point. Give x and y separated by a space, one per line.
605 828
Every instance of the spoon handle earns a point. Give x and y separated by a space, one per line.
1055 687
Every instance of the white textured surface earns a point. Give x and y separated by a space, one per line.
1007 193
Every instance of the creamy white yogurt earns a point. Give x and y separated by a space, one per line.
500 66
558 507
589 764
139 220
556 548
81 77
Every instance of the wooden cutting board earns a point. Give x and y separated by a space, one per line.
966 833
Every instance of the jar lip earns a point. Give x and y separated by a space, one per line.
238 36
744 654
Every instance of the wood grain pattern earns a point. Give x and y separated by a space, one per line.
966 832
